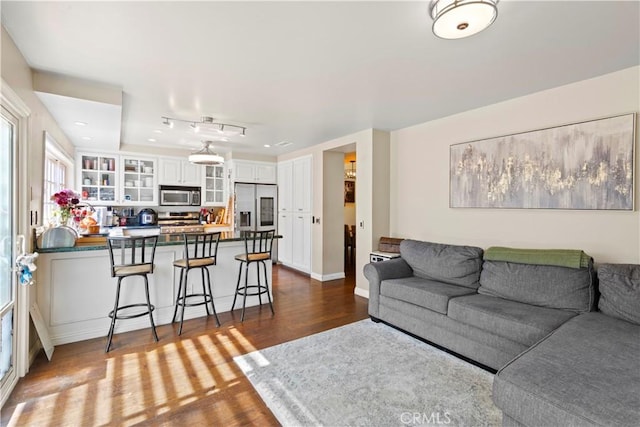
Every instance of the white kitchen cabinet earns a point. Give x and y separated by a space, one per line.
139 183
214 186
285 189
294 185
176 171
294 206
253 172
302 185
301 243
98 178
285 244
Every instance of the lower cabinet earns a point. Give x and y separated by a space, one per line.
285 245
75 290
294 249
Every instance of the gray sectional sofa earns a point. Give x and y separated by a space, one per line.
534 323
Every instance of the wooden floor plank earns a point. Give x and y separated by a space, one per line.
186 380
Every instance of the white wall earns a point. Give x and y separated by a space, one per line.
420 175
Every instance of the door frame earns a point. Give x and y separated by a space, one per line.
16 106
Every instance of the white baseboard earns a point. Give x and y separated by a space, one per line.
361 292
327 277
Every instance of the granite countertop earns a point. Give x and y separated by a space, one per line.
163 240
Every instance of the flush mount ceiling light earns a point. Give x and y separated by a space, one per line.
206 156
455 19
207 122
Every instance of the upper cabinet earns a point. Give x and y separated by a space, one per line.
98 178
214 186
294 185
256 172
173 171
285 188
139 180
302 185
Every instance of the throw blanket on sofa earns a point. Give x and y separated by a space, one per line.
571 258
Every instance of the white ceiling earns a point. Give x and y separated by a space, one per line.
308 72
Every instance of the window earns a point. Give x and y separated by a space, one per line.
57 173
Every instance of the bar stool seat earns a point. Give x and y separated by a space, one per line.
257 249
136 259
200 251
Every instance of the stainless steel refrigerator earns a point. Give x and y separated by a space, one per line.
256 207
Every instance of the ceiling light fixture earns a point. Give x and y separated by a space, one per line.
80 123
350 173
206 156
455 19
207 121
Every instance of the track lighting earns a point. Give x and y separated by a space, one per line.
206 121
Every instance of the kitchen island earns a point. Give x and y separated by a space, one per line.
75 290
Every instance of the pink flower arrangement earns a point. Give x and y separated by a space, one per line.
67 200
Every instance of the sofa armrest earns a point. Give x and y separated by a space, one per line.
376 272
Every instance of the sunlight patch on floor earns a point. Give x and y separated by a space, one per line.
240 339
215 356
201 369
177 371
157 383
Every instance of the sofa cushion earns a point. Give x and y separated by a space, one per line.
457 265
423 292
543 285
620 291
522 323
587 372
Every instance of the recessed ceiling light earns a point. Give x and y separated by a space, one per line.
157 131
267 145
151 140
80 123
86 138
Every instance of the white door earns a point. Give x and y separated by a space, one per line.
8 202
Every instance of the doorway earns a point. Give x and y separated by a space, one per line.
350 212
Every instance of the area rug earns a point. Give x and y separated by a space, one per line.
369 374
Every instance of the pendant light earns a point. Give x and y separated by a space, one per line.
350 173
206 156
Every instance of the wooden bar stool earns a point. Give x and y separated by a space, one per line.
136 259
200 251
257 249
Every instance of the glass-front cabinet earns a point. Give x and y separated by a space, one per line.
213 186
139 180
99 178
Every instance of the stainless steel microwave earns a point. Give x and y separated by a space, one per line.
176 195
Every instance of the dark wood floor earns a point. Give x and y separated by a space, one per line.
188 380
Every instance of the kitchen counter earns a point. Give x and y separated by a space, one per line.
75 290
95 243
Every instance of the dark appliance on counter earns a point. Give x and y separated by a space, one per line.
147 217
178 195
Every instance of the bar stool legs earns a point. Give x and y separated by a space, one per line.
114 313
207 295
259 288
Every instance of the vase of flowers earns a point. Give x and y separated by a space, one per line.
67 201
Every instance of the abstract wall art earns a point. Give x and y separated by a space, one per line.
586 165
